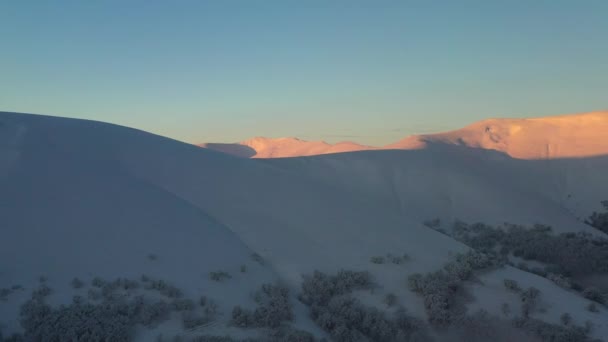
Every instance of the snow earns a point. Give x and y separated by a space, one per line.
262 147
563 136
83 199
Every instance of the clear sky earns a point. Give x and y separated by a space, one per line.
368 71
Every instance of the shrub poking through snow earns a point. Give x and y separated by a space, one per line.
552 332
163 288
599 220
257 258
111 320
345 319
439 288
512 285
289 334
592 307
273 309
182 304
594 294
377 260
529 299
97 282
41 292
396 259
319 287
219 275
390 300
572 254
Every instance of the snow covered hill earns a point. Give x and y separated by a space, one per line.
564 136
261 147
97 202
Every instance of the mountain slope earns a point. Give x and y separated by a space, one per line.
70 209
564 136
261 147
458 183
86 199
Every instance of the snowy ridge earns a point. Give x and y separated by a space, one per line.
552 137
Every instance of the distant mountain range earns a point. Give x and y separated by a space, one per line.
563 136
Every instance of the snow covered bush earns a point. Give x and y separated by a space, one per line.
182 304
97 282
163 288
484 327
377 260
439 289
559 280
570 254
592 307
594 294
396 259
154 313
599 220
273 309
110 320
512 285
76 322
346 319
41 292
565 318
529 299
390 299
552 332
219 275
333 308
319 287
289 334
257 258
241 317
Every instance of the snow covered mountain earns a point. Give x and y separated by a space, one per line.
564 136
261 147
128 220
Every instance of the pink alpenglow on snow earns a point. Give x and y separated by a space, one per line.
562 136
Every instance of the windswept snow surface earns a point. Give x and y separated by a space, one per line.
84 199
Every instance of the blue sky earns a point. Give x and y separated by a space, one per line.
368 71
